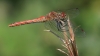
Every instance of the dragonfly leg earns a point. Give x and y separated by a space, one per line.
58 26
61 24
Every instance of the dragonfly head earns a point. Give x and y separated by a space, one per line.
63 15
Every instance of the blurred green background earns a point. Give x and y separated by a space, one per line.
31 40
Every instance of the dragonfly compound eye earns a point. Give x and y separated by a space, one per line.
63 15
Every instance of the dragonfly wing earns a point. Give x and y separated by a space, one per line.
72 13
52 26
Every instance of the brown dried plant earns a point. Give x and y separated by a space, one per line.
69 42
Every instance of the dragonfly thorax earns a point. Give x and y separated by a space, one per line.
56 15
61 16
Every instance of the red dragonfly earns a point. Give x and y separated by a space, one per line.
56 16
54 20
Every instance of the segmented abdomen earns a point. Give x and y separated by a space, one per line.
50 16
40 19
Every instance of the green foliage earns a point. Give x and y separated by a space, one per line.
31 40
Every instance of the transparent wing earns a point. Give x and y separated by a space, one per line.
52 25
72 13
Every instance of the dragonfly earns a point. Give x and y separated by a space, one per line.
55 21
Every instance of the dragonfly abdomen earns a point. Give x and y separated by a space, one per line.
40 19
